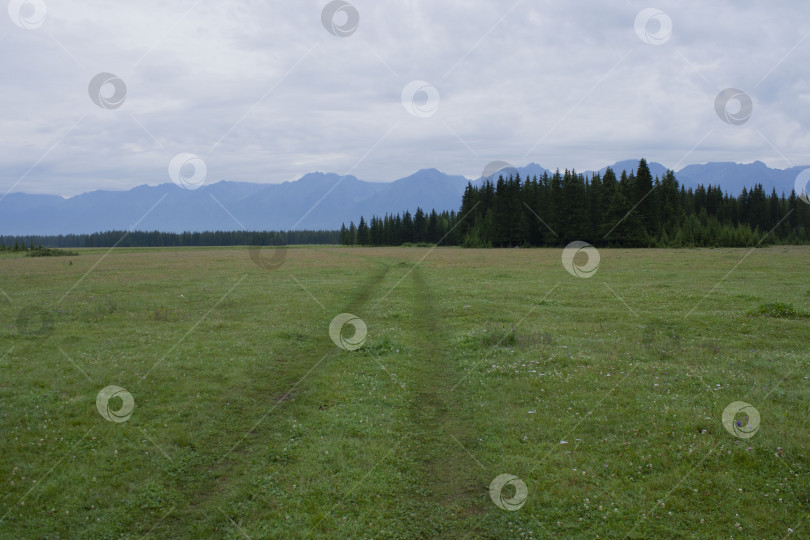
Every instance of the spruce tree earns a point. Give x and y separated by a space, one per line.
362 233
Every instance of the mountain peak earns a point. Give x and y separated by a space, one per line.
322 178
425 172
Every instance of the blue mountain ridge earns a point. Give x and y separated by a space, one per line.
315 201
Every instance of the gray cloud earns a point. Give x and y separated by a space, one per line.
263 93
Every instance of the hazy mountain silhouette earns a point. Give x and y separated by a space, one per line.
315 201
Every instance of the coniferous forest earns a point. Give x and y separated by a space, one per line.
633 210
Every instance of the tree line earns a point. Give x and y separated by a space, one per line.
631 210
396 230
163 239
17 246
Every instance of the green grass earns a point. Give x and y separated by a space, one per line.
248 420
780 310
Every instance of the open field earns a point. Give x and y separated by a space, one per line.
604 396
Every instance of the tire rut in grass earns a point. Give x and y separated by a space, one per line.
215 474
360 298
450 474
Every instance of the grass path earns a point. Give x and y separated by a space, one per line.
241 446
449 473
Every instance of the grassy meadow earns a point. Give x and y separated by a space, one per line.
603 396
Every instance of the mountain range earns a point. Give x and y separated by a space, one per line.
315 201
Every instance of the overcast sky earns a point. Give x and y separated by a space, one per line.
263 91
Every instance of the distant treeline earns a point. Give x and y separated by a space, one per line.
633 210
38 250
406 229
162 239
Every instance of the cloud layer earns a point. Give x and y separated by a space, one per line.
263 92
